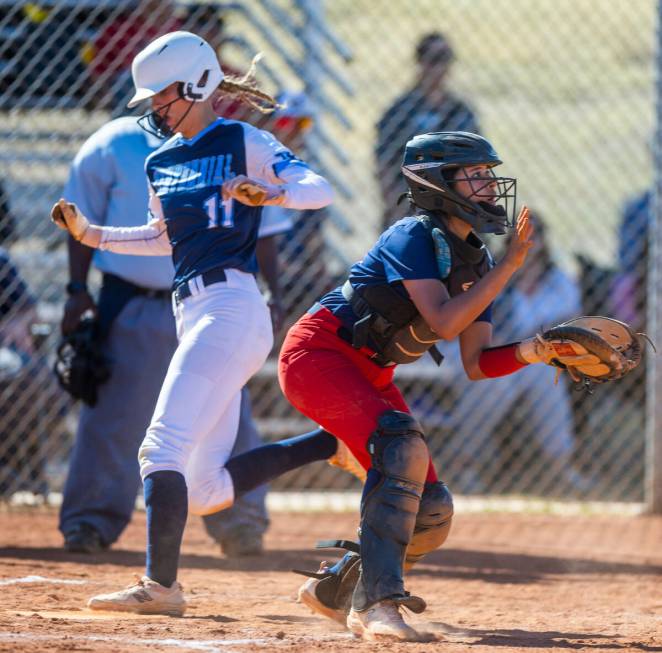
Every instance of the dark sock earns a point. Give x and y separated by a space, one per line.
166 502
258 466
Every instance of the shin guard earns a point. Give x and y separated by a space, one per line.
433 522
389 508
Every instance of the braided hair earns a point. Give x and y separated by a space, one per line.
244 88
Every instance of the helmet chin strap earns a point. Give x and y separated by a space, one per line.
154 122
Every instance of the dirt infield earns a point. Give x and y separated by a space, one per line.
502 583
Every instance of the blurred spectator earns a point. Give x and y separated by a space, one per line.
541 295
29 411
17 307
111 53
629 288
428 106
7 223
39 58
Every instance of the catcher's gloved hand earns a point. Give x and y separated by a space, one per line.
68 217
592 349
80 365
253 192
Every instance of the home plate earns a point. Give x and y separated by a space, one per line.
86 615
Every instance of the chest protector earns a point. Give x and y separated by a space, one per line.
389 322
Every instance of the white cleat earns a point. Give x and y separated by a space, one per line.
345 459
145 596
307 595
383 621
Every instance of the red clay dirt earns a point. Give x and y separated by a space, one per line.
501 583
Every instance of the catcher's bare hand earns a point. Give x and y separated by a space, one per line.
253 192
68 217
521 241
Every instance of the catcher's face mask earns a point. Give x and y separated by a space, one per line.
494 195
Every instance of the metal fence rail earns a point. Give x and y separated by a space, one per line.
562 88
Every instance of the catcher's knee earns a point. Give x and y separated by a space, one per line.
433 522
397 447
400 456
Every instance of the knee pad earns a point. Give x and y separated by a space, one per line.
401 428
433 522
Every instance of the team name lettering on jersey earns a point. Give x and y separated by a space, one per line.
193 175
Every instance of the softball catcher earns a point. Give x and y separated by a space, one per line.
429 277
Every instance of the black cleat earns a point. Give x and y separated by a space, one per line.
84 539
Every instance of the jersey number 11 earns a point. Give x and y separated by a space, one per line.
220 213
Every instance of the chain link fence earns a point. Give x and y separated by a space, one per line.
562 88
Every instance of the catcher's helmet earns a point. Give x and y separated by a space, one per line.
176 57
430 161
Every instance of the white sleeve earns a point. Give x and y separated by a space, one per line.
275 220
147 240
305 189
269 160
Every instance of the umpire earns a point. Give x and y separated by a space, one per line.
137 328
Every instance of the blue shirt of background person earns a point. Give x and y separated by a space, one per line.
633 235
107 182
405 251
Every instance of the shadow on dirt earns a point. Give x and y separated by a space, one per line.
447 563
519 567
522 639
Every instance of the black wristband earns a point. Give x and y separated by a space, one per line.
75 287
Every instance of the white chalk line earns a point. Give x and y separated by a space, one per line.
209 645
41 579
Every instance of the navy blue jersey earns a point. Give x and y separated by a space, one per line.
404 251
186 176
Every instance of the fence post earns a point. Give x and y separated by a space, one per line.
654 368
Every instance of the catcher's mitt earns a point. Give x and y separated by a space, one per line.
592 349
80 365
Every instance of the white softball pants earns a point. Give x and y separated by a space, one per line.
225 335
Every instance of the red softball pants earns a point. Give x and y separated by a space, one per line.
336 385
